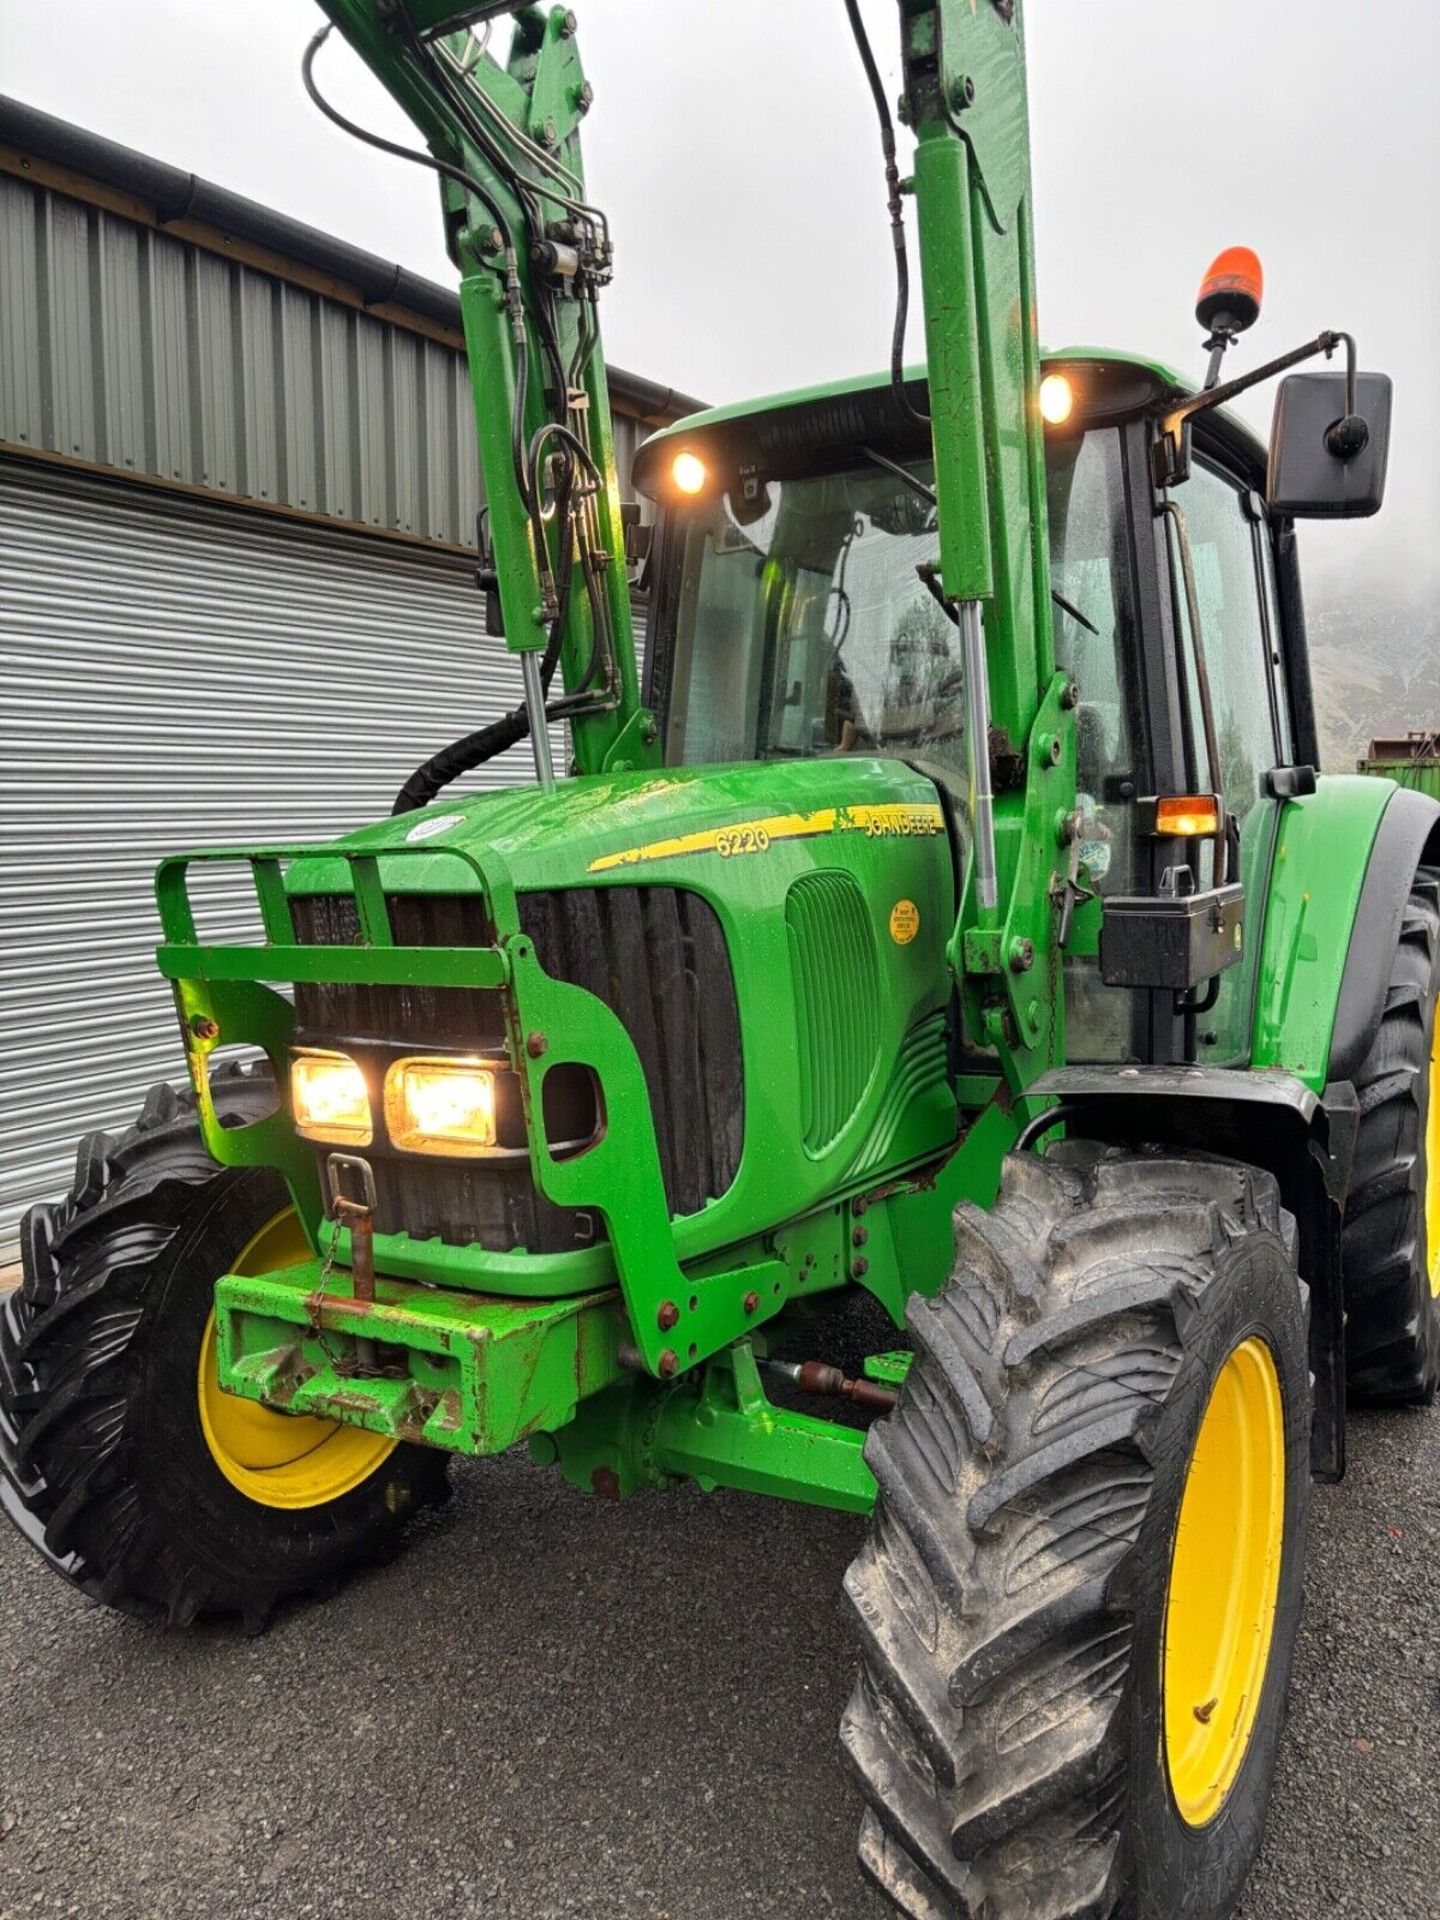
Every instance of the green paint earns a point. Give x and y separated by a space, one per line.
1322 851
889 1369
727 1434
472 1375
717 1428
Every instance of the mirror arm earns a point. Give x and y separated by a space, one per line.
1346 438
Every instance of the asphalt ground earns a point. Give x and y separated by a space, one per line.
555 1707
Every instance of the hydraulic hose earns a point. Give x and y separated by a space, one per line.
464 755
897 215
442 167
461 756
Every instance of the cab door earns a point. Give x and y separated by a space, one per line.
1098 620
1235 612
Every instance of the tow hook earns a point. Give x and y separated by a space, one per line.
359 1217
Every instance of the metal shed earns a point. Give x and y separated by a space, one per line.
238 488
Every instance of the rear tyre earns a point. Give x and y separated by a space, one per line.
120 1460
1081 1586
1390 1243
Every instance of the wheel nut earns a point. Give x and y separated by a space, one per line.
668 1315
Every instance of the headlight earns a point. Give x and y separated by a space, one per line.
688 472
1057 399
329 1098
440 1106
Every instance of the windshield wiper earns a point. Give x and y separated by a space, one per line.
915 484
1068 606
928 494
929 572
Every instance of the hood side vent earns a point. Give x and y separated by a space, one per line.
836 982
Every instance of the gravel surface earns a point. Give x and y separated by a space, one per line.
553 1707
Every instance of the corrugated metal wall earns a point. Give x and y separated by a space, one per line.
179 673
124 346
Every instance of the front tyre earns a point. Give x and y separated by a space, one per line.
1081 1587
120 1458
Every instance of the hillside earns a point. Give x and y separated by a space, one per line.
1376 665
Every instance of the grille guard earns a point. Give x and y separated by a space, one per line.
223 998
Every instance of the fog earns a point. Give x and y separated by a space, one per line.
735 148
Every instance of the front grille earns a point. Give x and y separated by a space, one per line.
428 1016
655 955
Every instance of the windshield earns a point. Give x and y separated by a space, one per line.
802 628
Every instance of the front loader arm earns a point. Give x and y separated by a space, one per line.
533 256
965 98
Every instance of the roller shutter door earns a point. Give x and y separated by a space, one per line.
180 673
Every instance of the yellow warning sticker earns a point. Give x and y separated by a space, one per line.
904 922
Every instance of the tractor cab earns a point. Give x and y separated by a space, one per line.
793 616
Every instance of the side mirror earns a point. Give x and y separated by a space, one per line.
1327 460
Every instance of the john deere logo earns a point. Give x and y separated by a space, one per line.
904 922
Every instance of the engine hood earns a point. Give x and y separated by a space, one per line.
605 829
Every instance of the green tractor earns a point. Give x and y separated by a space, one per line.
946 909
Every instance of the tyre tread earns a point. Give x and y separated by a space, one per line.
985 1730
67 1334
1392 1334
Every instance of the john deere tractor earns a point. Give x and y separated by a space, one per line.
947 907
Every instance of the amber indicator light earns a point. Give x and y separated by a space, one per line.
1187 816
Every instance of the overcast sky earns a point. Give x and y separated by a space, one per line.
734 144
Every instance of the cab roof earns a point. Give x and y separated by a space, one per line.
1116 384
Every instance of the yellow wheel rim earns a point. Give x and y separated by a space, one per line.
280 1459
1224 1578
1432 1157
